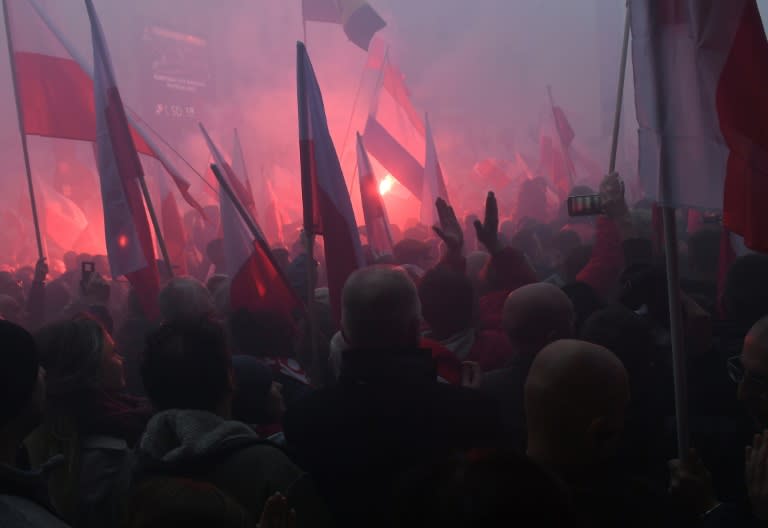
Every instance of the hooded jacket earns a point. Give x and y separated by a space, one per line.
203 446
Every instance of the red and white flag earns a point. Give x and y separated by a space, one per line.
701 85
376 220
433 175
62 221
327 206
127 232
55 85
242 183
257 282
174 232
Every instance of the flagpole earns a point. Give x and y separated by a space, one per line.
23 135
352 115
677 334
155 224
563 147
620 95
308 210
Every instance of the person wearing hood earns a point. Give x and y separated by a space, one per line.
187 374
24 498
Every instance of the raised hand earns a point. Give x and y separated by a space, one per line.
449 229
488 230
276 513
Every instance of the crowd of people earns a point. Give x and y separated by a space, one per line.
494 372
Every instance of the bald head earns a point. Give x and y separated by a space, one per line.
380 309
536 315
754 358
575 397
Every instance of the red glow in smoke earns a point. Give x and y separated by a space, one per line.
122 241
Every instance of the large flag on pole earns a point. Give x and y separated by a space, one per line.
361 22
433 175
376 220
174 232
395 132
257 283
327 206
701 91
127 232
55 86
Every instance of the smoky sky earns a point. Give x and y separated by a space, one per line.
480 68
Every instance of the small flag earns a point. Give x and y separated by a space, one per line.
376 220
361 22
433 175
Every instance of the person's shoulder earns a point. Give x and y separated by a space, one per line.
19 512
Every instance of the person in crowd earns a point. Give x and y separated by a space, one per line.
647 444
88 418
185 298
576 395
534 316
24 501
258 398
269 337
449 308
387 413
187 375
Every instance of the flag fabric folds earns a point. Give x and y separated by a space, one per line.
55 90
174 232
327 206
395 132
376 220
361 22
701 75
257 282
62 221
128 236
433 175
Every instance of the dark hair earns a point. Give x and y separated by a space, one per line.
624 333
18 370
585 301
261 333
447 301
746 290
186 365
704 251
72 353
160 502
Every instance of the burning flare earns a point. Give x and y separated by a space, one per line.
386 184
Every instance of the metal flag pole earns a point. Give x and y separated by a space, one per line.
619 95
23 135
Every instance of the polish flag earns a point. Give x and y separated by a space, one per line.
242 185
701 85
376 220
63 222
327 206
361 22
257 282
129 239
273 217
395 132
55 86
433 175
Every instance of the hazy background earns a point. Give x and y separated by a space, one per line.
480 68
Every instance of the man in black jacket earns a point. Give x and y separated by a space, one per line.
387 415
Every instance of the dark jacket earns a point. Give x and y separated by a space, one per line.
24 498
203 446
386 416
506 386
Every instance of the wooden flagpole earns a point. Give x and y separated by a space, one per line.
23 135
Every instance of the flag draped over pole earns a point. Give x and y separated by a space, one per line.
257 282
374 211
701 71
128 236
361 22
327 206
